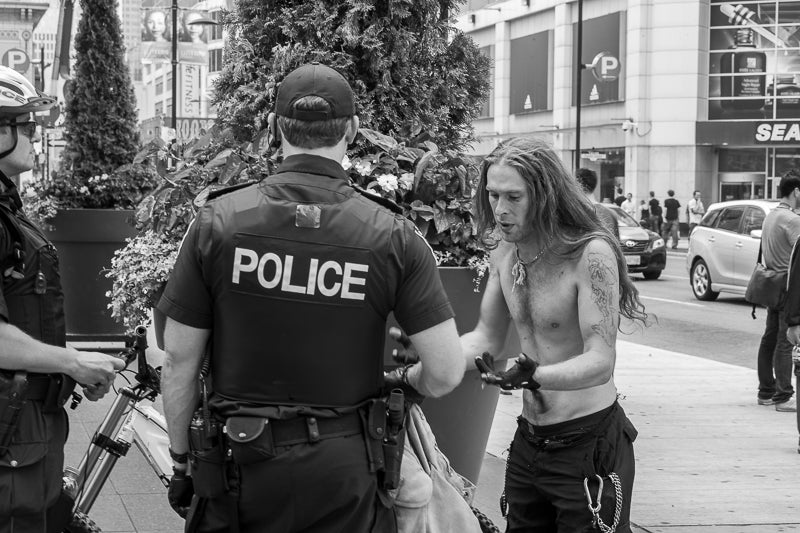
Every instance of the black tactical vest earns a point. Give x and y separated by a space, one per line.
299 308
32 285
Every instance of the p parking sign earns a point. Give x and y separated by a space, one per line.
605 67
17 59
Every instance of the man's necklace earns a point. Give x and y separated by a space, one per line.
520 269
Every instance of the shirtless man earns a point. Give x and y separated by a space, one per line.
560 276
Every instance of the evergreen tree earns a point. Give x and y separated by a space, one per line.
100 124
412 71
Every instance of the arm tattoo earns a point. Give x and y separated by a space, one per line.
603 280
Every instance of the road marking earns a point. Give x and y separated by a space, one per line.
670 301
670 276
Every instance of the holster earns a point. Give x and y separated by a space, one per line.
12 399
207 456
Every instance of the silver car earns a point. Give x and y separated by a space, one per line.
723 248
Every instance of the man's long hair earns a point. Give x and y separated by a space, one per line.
558 208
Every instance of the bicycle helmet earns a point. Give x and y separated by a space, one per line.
18 96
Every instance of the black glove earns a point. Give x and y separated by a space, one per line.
519 376
398 379
180 492
407 354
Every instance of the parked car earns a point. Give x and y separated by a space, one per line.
643 249
723 248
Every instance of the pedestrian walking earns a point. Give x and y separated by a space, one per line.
644 216
620 197
780 232
37 370
560 276
696 210
792 310
629 206
672 224
655 213
295 277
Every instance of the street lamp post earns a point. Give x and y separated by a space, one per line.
578 75
203 21
175 65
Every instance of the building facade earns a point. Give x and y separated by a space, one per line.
674 94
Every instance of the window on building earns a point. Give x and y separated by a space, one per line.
488 106
215 60
159 108
169 107
216 31
159 87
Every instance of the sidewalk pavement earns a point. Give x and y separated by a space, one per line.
709 459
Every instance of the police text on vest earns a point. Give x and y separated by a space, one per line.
327 278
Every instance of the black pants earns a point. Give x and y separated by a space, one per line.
320 487
545 473
33 483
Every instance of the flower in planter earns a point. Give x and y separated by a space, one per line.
122 189
139 272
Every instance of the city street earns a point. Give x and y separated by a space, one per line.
722 330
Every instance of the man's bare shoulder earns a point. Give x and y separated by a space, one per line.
500 255
598 251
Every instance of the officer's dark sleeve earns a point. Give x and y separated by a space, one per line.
792 305
5 251
421 302
187 298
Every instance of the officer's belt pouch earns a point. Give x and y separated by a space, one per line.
249 439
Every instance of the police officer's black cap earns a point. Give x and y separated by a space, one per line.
315 79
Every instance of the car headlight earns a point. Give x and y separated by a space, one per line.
658 243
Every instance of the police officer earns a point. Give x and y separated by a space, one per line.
37 371
295 277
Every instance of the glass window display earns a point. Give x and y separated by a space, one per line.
754 60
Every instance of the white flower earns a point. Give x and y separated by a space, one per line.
84 190
387 182
346 163
406 180
363 167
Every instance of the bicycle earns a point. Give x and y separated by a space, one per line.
131 419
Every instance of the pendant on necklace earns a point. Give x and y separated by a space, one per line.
519 273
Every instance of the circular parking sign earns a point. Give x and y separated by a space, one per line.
26 35
605 67
17 59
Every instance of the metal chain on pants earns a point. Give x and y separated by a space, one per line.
596 509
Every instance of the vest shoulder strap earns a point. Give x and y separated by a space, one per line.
225 190
385 202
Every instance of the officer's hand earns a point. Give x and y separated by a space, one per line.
519 376
407 354
793 335
180 492
397 379
95 392
94 369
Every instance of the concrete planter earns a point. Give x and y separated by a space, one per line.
86 240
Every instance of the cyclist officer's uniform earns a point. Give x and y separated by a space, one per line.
32 457
295 276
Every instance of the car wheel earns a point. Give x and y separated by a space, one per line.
652 274
701 282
